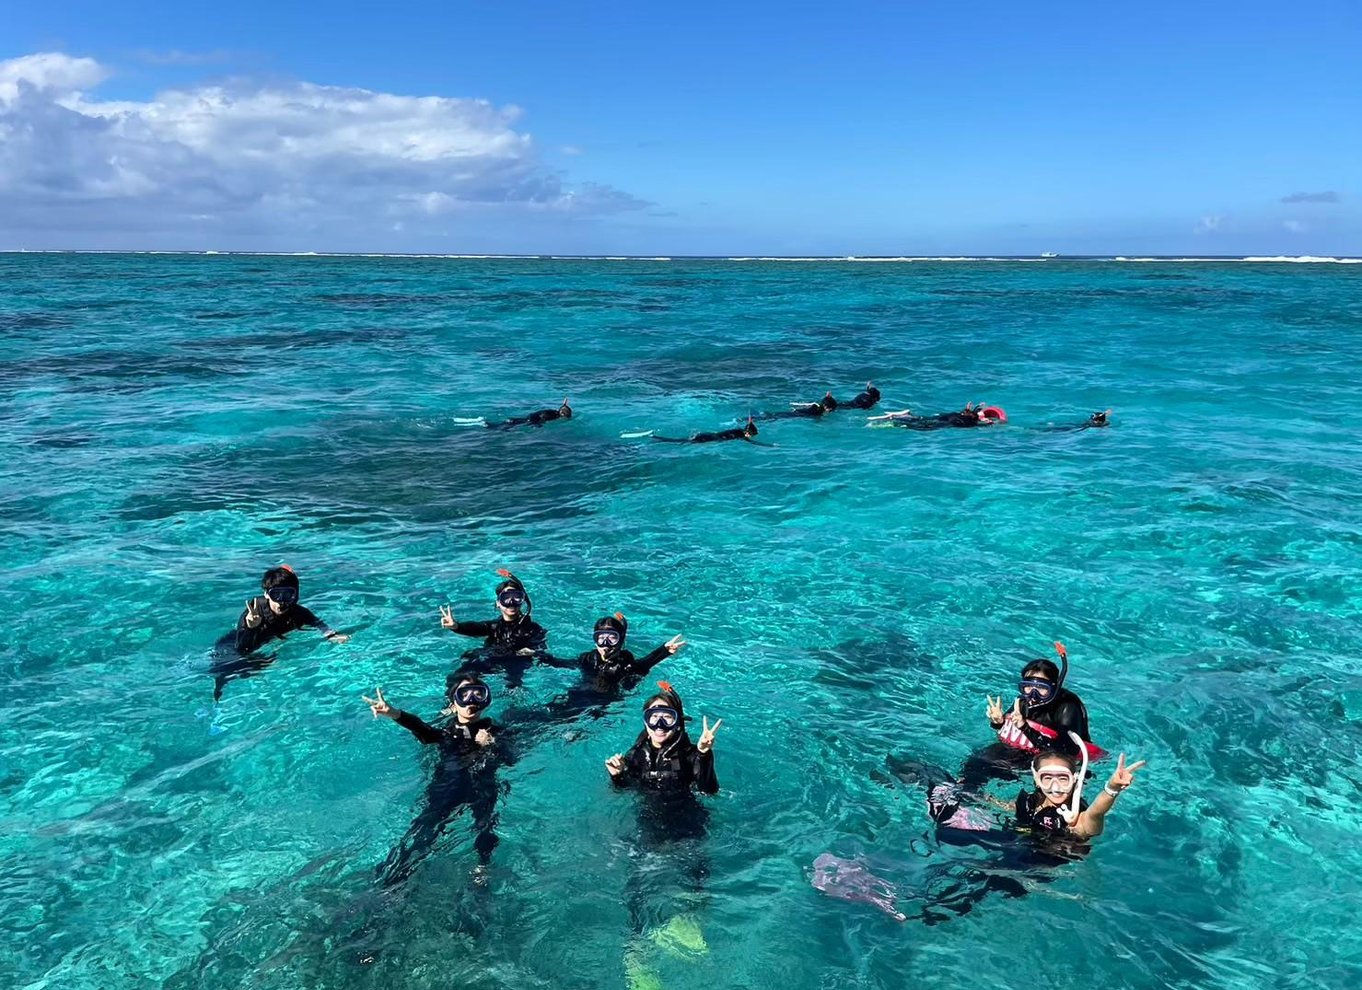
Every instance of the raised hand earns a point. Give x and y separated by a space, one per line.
674 644
1123 776
615 765
447 617
1015 715
995 710
706 741
379 706
483 738
253 616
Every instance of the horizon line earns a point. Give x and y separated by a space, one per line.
847 258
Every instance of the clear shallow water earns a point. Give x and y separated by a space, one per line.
174 425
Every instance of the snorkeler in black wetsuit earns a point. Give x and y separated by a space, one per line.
866 400
1042 716
266 618
663 759
668 769
511 639
746 433
607 672
539 418
465 776
967 418
803 410
1094 422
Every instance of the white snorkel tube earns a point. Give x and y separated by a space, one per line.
1072 815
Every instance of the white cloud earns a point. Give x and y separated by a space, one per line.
1208 225
262 158
48 74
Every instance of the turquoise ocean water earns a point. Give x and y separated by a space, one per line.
173 425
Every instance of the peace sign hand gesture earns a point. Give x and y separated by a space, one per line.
253 616
706 741
447 617
1015 715
1123 776
995 711
379 706
674 644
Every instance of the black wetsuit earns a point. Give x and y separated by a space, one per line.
707 437
1032 814
1094 422
866 400
672 825
673 768
808 410
603 681
232 654
954 886
1064 713
502 643
940 421
533 419
617 669
465 775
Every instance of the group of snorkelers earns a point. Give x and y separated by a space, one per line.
971 416
1043 733
663 759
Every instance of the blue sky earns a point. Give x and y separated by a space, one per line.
737 128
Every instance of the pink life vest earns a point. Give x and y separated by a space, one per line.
1013 737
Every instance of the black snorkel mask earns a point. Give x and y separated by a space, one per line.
609 633
1038 691
511 593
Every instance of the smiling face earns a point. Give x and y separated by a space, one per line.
1054 779
662 723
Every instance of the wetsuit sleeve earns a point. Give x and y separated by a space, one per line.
702 769
427 734
306 617
537 637
473 628
562 663
247 639
630 773
647 663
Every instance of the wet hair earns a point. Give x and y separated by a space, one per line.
828 402
1042 668
1054 755
871 390
750 429
279 577
565 410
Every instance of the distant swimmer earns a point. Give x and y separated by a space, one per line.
1094 422
748 432
266 618
803 410
564 411
971 416
866 400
